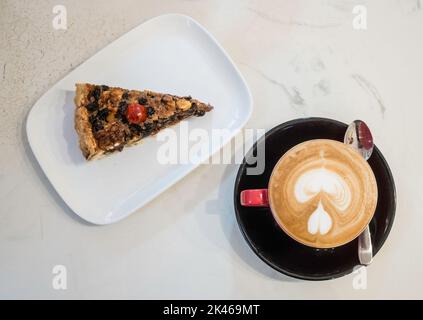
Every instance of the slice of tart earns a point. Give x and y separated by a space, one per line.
108 119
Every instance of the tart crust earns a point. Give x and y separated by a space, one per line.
87 142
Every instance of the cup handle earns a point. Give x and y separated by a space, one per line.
254 198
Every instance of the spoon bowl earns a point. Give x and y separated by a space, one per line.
359 137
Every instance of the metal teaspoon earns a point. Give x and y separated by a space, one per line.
359 137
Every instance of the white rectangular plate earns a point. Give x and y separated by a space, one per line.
170 53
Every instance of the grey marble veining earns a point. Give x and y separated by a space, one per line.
371 89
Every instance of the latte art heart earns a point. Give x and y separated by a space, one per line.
319 221
322 193
314 181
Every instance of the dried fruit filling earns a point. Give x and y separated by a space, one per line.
118 116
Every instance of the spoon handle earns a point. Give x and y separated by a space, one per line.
365 249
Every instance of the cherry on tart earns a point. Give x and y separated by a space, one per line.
136 113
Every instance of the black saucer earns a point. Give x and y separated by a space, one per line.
276 248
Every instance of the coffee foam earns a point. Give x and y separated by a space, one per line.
323 193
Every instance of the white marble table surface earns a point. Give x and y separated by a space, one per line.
300 58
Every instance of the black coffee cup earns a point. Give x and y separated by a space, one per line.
263 234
